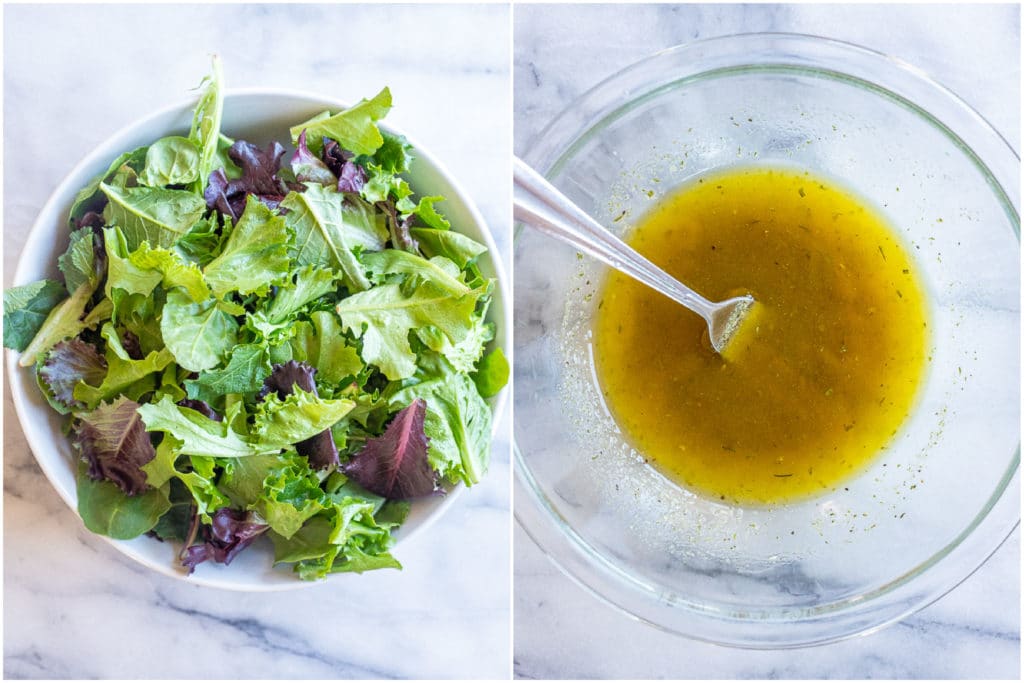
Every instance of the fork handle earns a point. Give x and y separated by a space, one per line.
541 206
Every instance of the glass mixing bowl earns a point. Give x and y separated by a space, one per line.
935 503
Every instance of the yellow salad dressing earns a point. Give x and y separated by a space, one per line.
818 382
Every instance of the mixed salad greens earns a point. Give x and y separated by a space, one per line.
245 349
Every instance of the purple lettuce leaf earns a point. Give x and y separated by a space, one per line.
308 167
69 362
115 444
90 219
320 450
201 407
395 465
259 178
230 532
351 176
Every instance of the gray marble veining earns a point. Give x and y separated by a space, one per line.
76 608
562 631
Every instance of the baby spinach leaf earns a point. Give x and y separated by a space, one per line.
172 160
106 509
26 308
492 373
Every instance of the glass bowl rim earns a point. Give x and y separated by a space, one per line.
896 599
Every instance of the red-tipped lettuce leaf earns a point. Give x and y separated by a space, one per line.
68 363
351 176
395 465
115 444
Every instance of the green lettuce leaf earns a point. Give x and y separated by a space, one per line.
452 245
65 321
327 229
320 343
492 373
458 424
383 316
255 255
355 128
89 198
126 376
149 214
300 416
78 263
197 434
198 334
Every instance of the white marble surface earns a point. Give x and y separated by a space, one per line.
561 631
73 606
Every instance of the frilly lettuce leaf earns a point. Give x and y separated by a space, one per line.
173 160
255 255
321 344
301 288
68 363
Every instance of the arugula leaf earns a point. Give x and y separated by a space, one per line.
458 424
173 160
150 214
355 128
383 316
492 373
198 334
248 366
255 255
205 131
26 308
106 509
114 442
448 243
327 229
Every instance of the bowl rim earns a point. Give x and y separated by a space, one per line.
109 148
894 600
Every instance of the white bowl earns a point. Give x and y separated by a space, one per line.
259 116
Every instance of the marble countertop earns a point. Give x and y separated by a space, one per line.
561 631
76 608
